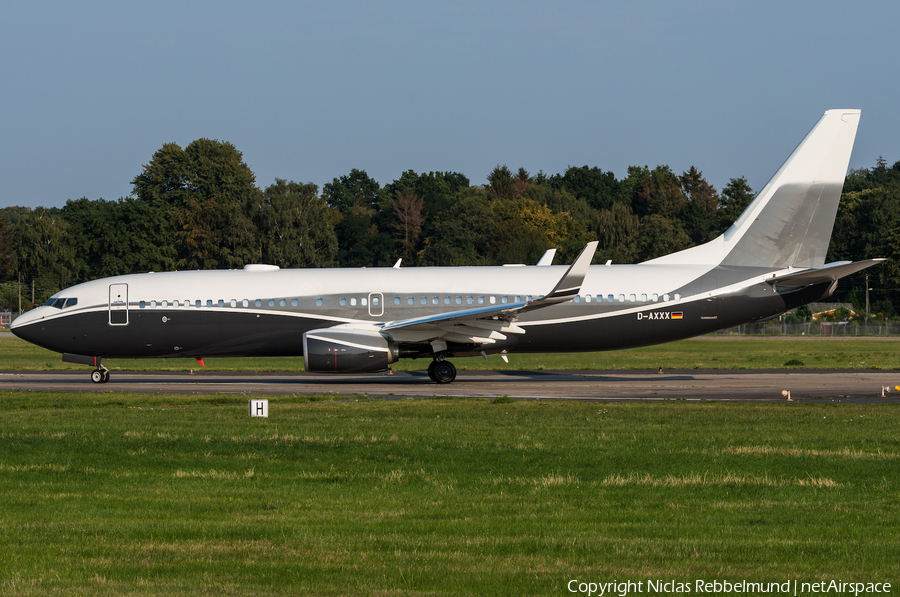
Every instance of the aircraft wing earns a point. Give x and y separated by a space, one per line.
830 273
486 325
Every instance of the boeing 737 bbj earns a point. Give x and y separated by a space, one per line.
361 320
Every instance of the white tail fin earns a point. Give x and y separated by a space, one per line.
789 222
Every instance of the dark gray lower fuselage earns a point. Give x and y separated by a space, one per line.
155 328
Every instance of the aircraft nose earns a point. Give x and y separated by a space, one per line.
23 325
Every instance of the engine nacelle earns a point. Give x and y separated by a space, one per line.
345 350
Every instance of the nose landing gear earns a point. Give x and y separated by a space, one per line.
100 375
441 371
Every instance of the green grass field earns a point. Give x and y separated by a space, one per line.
121 494
701 353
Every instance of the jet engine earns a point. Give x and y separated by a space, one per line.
337 350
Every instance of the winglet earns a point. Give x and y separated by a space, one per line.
570 284
547 259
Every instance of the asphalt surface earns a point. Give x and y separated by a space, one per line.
820 386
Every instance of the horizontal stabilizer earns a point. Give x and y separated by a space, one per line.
830 273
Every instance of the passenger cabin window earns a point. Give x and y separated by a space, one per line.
410 301
632 298
318 302
396 300
343 302
587 298
198 304
272 302
293 302
282 303
610 298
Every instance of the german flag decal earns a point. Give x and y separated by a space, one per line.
677 315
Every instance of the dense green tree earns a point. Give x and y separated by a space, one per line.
466 235
214 235
598 188
699 216
501 183
660 236
7 248
735 198
295 226
43 252
206 169
408 219
617 229
363 220
356 189
208 190
437 190
866 226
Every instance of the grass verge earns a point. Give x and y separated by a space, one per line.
116 494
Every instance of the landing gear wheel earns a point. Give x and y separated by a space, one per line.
431 371
100 375
442 371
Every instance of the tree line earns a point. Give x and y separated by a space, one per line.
199 207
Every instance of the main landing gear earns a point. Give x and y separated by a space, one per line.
441 371
100 375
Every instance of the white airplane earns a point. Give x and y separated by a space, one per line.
361 320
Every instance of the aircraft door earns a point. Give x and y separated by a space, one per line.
376 304
118 304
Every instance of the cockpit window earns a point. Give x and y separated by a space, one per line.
61 303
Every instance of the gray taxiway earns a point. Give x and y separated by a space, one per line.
819 386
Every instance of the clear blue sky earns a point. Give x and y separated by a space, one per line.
309 90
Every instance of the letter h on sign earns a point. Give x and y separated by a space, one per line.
259 408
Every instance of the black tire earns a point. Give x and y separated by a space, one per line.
97 376
443 372
431 371
105 376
